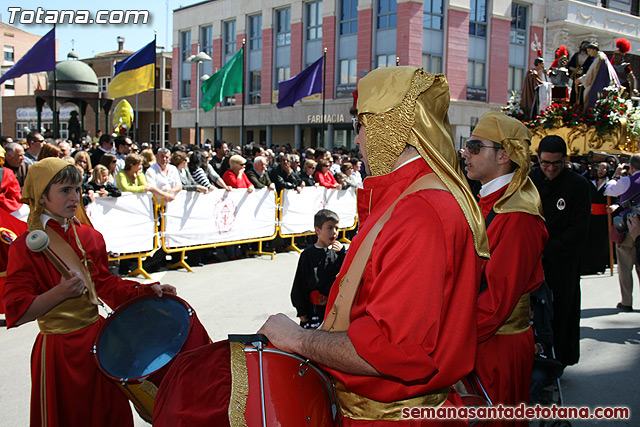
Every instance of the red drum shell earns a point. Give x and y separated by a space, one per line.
297 392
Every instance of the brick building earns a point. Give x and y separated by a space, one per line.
484 47
18 103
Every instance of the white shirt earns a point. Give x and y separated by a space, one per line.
619 187
495 184
163 180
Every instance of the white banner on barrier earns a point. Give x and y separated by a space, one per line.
126 222
219 216
298 209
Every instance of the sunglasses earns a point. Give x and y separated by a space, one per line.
474 146
356 125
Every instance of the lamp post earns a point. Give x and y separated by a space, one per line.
198 59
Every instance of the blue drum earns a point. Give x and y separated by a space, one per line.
136 345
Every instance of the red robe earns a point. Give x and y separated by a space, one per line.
77 393
10 193
414 317
17 227
232 180
504 362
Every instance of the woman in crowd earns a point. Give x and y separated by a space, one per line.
235 176
349 180
99 186
131 179
109 161
148 158
83 162
180 160
324 177
197 166
49 150
306 173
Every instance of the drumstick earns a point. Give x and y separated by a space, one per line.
38 241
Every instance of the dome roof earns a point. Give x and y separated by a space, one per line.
74 76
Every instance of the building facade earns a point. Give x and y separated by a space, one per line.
484 47
19 114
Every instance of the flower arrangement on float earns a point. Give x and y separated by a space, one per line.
613 124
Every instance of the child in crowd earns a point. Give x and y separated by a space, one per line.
67 387
317 269
99 186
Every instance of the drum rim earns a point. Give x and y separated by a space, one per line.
325 376
122 307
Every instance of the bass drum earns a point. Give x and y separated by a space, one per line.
284 389
139 341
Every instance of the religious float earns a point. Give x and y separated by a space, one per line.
609 129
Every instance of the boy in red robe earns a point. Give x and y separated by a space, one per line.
67 387
497 154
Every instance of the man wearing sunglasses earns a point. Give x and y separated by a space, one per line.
566 204
497 154
400 326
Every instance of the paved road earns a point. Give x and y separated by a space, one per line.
237 296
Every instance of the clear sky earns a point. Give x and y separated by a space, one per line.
91 39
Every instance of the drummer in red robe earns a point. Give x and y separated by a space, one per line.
67 387
497 154
408 330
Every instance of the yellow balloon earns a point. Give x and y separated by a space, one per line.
122 117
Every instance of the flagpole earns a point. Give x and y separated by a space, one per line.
324 85
55 96
136 119
155 106
244 62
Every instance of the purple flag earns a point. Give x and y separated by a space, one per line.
41 57
308 82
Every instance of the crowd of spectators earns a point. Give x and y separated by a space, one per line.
113 165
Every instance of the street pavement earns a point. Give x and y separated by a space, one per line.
236 297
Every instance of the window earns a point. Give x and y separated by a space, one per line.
432 63
478 18
229 37
348 71
103 83
387 14
167 80
349 17
185 67
516 77
9 87
283 27
185 44
385 60
8 55
475 74
518 24
282 74
206 39
314 20
185 88
255 32
255 85
153 132
433 15
206 46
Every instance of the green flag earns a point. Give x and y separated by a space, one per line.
226 82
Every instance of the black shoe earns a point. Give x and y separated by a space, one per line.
3 322
623 307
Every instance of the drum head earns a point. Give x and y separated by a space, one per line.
143 337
